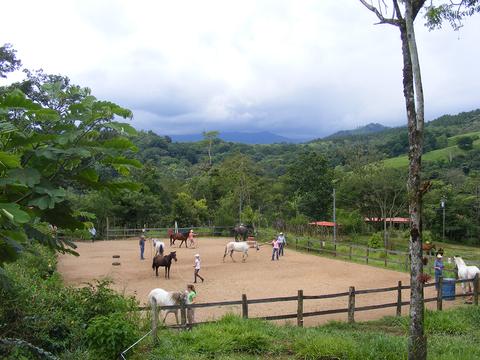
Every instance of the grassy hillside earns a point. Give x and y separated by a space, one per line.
445 154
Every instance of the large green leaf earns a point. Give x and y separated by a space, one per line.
28 177
16 99
122 128
14 213
119 143
42 202
8 161
89 175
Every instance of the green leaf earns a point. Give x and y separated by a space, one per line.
89 175
14 213
121 160
8 160
122 128
6 127
16 99
28 177
119 143
43 202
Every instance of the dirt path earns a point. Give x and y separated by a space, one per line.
258 277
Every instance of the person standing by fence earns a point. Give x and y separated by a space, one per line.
196 266
191 295
282 242
142 246
276 246
438 267
191 238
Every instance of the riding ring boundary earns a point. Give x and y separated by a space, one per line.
258 277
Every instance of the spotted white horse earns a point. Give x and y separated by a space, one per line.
465 272
241 246
161 298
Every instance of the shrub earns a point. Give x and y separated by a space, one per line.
465 143
109 335
376 240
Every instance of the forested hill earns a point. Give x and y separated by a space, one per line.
183 160
363 130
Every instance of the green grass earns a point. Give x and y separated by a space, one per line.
444 154
377 256
452 334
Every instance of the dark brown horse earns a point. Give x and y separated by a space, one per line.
179 236
165 261
241 232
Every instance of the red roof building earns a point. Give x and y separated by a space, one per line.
323 223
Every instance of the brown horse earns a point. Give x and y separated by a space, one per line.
165 261
429 248
179 236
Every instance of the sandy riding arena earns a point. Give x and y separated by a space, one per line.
258 277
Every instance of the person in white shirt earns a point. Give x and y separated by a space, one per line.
282 241
197 269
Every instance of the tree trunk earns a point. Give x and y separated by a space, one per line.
417 343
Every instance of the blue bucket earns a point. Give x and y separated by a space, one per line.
448 289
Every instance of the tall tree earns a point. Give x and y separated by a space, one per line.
208 139
310 181
403 19
45 151
413 93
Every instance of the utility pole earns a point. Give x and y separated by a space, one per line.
334 220
442 204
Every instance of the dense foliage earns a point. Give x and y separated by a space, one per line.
47 316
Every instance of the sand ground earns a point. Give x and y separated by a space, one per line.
258 277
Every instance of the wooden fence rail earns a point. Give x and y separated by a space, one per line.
300 298
402 258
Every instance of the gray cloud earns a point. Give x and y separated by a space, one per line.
294 68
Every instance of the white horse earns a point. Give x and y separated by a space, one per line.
167 298
465 272
241 246
159 247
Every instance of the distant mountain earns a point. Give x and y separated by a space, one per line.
262 137
363 130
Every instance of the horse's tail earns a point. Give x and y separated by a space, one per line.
161 249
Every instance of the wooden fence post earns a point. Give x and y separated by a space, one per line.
351 304
440 294
296 243
386 254
244 306
154 320
475 289
350 253
399 299
335 249
300 309
367 255
183 314
308 245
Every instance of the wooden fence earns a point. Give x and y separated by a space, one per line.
350 308
125 233
401 258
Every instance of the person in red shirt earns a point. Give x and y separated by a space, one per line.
276 247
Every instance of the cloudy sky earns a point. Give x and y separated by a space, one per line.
295 68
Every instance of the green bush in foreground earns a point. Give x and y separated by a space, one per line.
40 311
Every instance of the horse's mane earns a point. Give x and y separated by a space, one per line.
460 260
178 297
